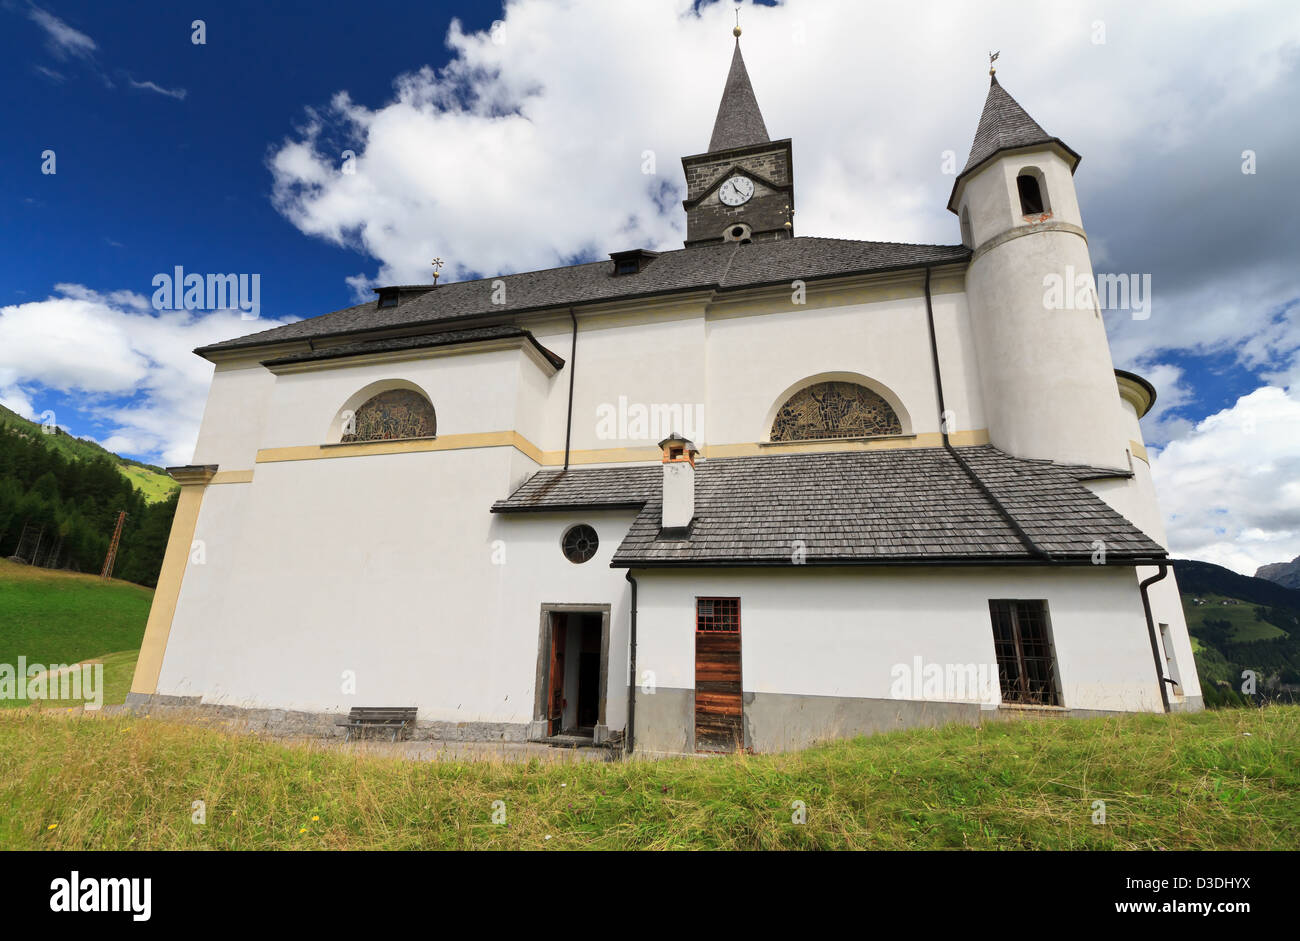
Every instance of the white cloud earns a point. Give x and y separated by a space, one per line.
526 150
119 361
177 93
60 38
1230 489
1160 425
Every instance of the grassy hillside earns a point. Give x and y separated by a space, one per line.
151 481
1217 780
1240 623
1247 619
54 617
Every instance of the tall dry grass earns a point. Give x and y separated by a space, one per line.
1221 780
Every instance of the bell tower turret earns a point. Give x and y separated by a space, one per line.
1048 381
742 188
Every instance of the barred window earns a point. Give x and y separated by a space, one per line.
717 615
1026 665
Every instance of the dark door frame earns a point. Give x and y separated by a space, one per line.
538 730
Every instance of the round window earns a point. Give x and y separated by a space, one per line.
580 543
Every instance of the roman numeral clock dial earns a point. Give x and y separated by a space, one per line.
736 191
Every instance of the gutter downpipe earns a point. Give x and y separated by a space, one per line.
1025 539
1161 680
573 365
631 683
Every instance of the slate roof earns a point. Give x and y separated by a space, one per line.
722 267
396 344
1004 125
888 507
739 122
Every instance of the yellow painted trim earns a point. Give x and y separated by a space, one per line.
233 477
163 610
485 439
632 455
604 456
929 439
1139 450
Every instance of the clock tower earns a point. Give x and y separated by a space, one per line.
742 188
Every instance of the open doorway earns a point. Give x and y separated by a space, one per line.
572 674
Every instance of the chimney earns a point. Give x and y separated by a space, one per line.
679 485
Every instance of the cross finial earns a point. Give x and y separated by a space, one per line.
993 57
437 267
736 32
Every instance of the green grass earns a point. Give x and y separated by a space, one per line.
54 617
1245 626
119 668
1217 780
153 486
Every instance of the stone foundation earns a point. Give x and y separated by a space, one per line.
291 722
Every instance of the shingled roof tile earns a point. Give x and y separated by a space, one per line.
915 505
722 267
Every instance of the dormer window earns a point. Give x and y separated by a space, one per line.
633 261
388 297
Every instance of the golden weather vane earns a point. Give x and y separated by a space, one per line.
993 57
437 268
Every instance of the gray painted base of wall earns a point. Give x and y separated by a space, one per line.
1189 704
776 722
665 721
782 722
313 724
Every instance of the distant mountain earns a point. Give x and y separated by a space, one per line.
1200 578
1286 574
152 482
1240 623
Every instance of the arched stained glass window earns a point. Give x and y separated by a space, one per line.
397 413
834 410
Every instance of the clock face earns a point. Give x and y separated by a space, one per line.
736 191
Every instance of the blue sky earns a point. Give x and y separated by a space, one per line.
521 146
146 181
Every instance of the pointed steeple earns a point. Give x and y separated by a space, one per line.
1004 125
739 122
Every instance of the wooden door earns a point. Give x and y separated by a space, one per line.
555 690
719 709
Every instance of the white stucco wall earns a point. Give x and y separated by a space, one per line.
238 403
840 632
388 566
1135 498
1048 380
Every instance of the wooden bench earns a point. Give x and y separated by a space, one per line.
390 718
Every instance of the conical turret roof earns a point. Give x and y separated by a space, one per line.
1004 125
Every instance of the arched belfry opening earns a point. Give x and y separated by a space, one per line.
1033 192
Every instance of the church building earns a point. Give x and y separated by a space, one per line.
760 491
